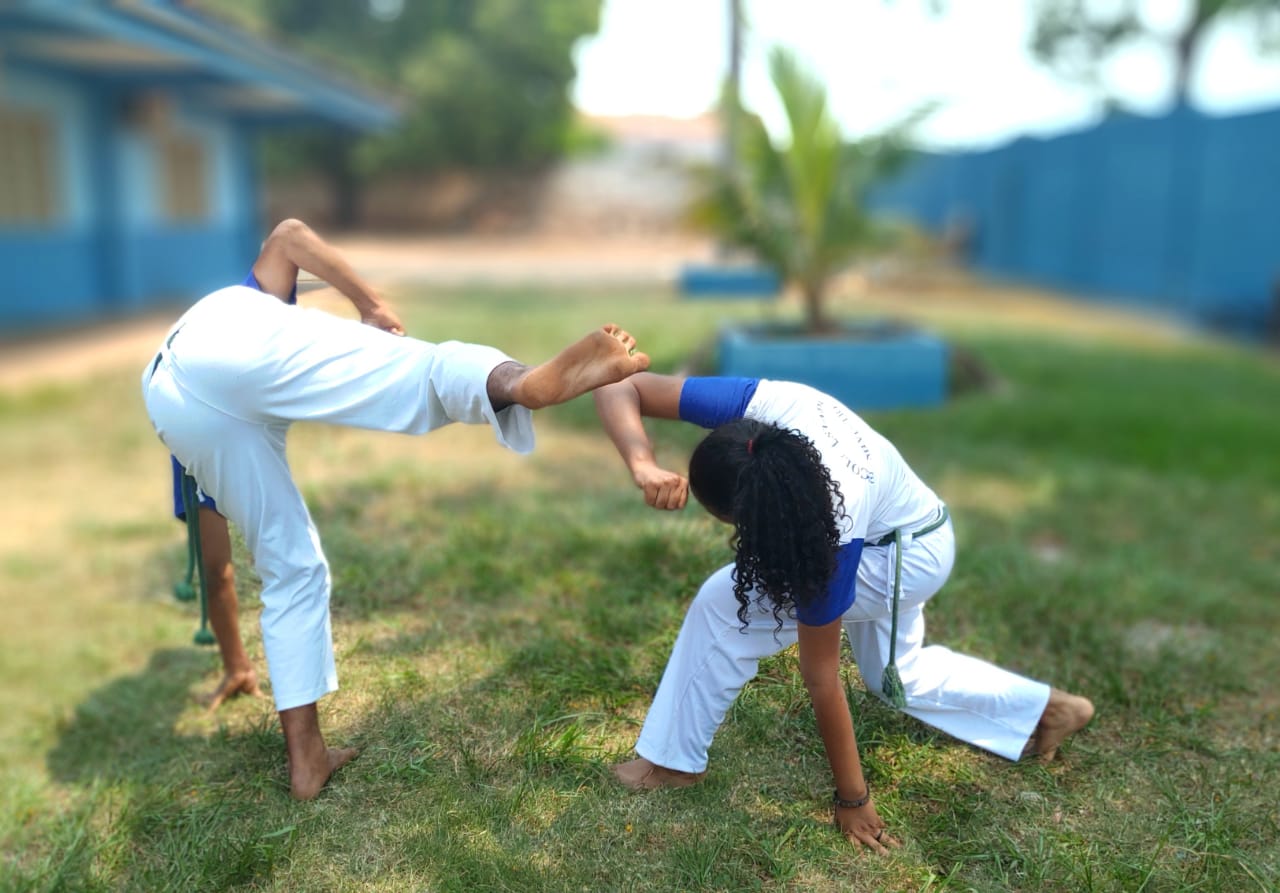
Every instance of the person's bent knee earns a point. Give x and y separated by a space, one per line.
288 229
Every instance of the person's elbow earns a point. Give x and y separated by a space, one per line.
822 682
289 233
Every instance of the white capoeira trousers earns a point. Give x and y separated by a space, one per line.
235 372
967 698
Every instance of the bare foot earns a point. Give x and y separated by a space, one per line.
643 775
602 357
244 682
305 782
1063 716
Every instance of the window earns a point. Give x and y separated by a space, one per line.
28 156
183 172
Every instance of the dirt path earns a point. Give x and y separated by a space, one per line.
75 355
551 261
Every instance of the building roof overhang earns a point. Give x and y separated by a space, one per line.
163 44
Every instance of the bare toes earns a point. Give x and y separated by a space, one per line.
340 756
1065 715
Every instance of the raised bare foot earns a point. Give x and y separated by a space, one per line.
306 782
643 775
1063 716
243 682
602 357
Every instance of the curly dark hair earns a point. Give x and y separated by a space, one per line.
772 485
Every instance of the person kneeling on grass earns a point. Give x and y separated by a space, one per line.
243 364
829 522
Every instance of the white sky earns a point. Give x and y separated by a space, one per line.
881 60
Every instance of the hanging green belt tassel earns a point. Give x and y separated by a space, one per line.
183 591
891 683
195 559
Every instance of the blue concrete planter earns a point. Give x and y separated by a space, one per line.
866 366
725 281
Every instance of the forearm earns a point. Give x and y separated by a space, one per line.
835 725
309 252
855 814
618 406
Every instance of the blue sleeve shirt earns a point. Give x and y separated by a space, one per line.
252 282
841 591
711 402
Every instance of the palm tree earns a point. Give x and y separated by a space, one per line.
799 205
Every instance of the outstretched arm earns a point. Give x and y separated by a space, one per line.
621 408
292 246
820 667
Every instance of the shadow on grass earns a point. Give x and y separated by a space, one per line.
164 809
125 729
524 800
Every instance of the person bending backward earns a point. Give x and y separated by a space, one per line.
238 675
814 495
242 365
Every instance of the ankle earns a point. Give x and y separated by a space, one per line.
503 383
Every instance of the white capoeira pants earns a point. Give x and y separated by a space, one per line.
235 372
713 658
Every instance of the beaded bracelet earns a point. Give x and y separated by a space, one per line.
851 804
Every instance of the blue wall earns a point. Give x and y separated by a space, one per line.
1176 214
109 249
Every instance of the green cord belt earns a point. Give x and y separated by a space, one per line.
195 560
892 682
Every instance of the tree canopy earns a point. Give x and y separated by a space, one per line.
483 83
1075 37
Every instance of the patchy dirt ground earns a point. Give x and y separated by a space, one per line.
938 296
384 261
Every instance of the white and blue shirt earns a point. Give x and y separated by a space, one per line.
881 493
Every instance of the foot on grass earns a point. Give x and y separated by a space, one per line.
643 775
602 357
1063 716
305 782
241 682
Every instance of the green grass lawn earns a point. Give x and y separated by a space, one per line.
501 623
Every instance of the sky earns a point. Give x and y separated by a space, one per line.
882 60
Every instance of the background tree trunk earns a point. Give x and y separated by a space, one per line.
814 303
1185 51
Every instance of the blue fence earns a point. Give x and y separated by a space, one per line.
1177 213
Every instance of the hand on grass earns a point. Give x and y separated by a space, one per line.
244 682
862 826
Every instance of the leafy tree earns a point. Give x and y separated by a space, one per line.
798 204
1075 36
483 83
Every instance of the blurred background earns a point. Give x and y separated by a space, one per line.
1119 150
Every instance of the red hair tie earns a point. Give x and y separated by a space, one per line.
750 443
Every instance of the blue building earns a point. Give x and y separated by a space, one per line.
128 162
